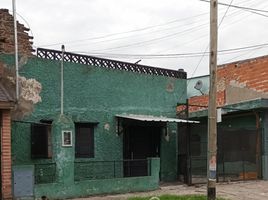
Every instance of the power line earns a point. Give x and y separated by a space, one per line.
124 32
114 39
176 55
157 39
240 7
252 10
149 41
241 55
26 22
233 13
225 13
128 45
199 62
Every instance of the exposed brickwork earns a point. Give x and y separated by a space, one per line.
251 74
202 101
7 35
6 156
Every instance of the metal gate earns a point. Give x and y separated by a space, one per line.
238 156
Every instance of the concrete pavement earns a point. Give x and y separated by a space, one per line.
249 190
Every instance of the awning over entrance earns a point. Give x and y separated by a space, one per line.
150 118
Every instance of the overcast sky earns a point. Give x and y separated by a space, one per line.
132 30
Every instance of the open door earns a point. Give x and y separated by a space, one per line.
140 142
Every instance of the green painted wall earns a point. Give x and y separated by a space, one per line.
168 155
96 95
63 156
93 187
239 121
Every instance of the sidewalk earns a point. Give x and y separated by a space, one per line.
250 190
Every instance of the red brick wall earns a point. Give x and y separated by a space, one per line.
203 101
6 155
251 74
7 35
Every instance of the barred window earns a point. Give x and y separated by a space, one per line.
41 141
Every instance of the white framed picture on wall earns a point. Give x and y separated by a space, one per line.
67 139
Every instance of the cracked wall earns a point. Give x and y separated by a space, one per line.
29 91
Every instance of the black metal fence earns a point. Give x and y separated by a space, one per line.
237 156
107 63
45 173
92 170
226 170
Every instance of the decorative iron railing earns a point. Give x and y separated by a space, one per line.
107 63
92 170
45 173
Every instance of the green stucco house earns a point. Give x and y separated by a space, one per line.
100 126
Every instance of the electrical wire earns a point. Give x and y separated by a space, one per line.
151 40
199 27
148 41
178 55
200 60
128 45
26 22
252 10
233 14
124 32
252 51
121 38
240 7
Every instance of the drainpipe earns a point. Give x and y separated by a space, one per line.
16 48
62 94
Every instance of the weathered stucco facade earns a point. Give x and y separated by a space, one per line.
95 95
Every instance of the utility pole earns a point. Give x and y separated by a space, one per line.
212 111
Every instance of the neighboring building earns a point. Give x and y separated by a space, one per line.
7 35
7 92
6 104
242 95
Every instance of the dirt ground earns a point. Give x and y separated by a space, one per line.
250 190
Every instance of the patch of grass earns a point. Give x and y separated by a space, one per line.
174 197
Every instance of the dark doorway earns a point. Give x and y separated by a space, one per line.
184 153
140 142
